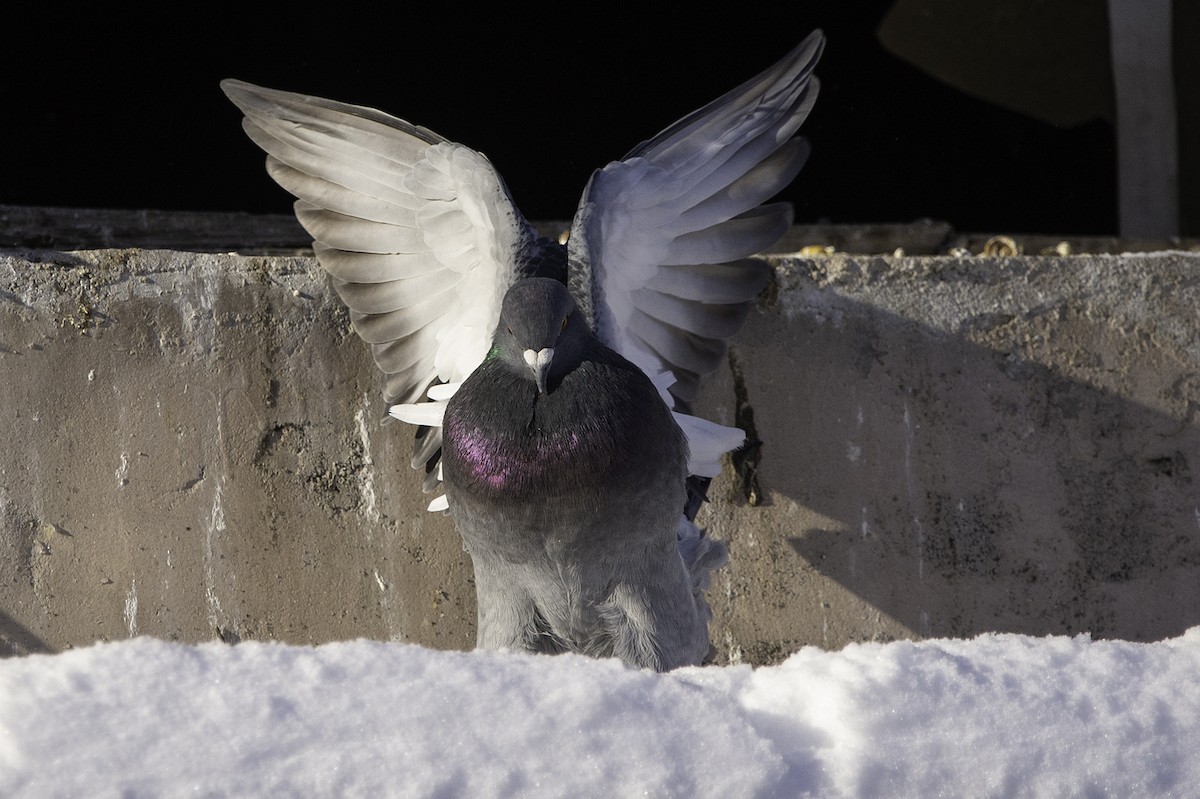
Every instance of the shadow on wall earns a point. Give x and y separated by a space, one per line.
962 446
16 639
1021 467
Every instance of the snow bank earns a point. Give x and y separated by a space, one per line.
998 715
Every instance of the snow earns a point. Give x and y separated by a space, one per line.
999 715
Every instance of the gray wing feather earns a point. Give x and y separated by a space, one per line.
711 320
762 182
717 282
660 243
731 240
689 351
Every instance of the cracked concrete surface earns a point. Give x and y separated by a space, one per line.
946 446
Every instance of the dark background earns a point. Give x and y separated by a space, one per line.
124 111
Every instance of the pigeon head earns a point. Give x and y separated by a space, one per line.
542 334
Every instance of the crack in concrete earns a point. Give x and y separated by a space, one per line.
746 458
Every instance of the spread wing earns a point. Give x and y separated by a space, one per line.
422 239
419 235
661 243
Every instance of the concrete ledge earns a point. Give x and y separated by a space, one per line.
53 228
948 447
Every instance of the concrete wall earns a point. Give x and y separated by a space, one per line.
948 446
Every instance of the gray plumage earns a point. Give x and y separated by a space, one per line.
550 384
568 497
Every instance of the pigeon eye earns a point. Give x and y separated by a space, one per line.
563 326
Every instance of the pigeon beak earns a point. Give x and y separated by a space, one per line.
539 363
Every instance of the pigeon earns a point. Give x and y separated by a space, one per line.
551 383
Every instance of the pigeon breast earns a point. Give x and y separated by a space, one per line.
601 429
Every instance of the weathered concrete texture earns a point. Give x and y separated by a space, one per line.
958 446
196 450
948 447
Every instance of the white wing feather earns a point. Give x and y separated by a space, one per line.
419 233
